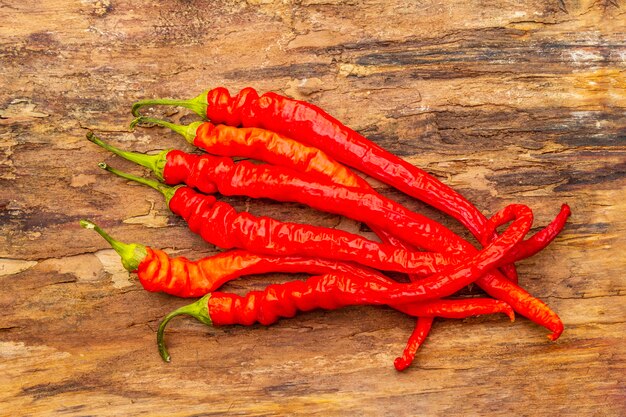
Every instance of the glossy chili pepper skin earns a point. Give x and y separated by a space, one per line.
207 172
220 224
179 276
422 328
330 291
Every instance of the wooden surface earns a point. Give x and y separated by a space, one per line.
505 101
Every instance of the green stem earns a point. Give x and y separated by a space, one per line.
188 131
197 104
199 310
156 163
132 254
167 191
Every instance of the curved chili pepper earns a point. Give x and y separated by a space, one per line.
311 125
330 291
158 272
181 277
220 224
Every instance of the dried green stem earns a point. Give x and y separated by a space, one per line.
132 254
167 191
197 104
156 163
199 310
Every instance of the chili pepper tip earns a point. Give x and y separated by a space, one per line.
198 309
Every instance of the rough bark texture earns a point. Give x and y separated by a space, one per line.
505 101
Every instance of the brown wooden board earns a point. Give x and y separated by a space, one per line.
505 101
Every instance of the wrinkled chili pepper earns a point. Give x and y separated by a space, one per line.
221 225
181 277
330 291
528 306
158 272
310 124
220 222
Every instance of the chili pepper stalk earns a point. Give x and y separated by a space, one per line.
197 104
131 254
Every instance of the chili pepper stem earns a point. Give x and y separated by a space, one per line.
132 254
197 104
167 191
186 131
199 310
156 163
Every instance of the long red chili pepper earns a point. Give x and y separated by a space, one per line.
220 224
308 123
215 221
330 291
158 272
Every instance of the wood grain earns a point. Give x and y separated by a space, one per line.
505 101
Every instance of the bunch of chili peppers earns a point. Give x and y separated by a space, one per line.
304 155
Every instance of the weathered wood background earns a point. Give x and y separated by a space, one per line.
507 101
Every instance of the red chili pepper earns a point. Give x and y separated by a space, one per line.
330 291
179 276
158 272
220 224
